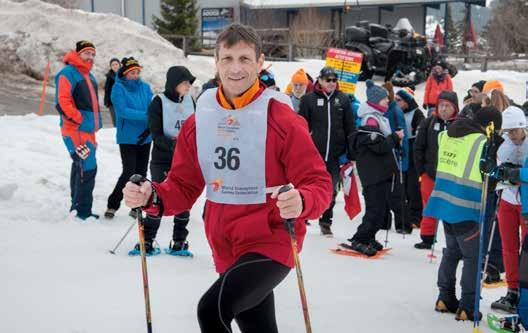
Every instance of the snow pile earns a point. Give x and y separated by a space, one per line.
32 32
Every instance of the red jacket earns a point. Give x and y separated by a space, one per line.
234 230
433 88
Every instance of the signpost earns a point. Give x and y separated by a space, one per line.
347 65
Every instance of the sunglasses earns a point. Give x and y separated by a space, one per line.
331 80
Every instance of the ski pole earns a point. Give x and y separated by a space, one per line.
290 225
389 217
403 195
122 238
431 255
490 241
138 179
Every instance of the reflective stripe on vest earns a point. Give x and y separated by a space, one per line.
458 187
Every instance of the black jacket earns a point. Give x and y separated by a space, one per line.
374 153
163 147
425 148
319 109
109 83
416 120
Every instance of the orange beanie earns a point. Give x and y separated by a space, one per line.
492 85
300 77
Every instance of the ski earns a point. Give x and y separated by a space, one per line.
342 250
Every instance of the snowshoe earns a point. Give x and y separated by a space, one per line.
178 249
506 324
365 249
423 246
110 213
463 315
449 304
151 249
507 303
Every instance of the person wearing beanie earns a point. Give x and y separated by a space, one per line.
131 97
115 64
512 153
398 199
413 117
437 82
299 84
475 89
76 100
492 85
425 153
268 79
373 148
167 113
464 155
330 119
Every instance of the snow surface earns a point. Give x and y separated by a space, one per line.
33 31
59 277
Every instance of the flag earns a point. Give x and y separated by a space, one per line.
438 36
350 190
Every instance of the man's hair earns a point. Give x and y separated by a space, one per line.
236 33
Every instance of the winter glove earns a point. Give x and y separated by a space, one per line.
488 161
82 151
506 173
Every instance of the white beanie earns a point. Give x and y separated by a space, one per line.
513 117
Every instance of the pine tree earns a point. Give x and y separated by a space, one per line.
178 17
453 32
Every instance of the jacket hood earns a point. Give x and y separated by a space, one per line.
175 76
365 109
72 58
464 126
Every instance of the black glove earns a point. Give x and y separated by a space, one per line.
424 106
506 173
488 161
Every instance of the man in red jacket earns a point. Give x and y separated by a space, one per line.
242 144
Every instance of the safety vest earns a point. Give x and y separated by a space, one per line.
458 186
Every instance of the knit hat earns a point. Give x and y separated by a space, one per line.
513 117
127 65
489 114
84 45
479 85
300 77
327 72
267 78
375 93
114 59
407 94
451 97
492 85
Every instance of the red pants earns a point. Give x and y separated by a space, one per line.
428 224
509 221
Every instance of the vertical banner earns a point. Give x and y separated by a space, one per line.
347 65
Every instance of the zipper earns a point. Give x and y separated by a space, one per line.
328 128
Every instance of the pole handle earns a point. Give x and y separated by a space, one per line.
290 223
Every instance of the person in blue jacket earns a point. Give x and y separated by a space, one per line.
397 201
131 97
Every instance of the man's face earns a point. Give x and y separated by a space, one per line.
446 110
133 74
438 70
238 68
328 83
401 102
115 66
87 56
474 91
183 88
299 89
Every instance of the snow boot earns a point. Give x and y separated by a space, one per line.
325 229
110 213
423 246
447 304
462 315
366 249
507 303
151 249
492 275
133 214
375 245
179 249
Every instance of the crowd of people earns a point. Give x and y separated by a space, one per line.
417 167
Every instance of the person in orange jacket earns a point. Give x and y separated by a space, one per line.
76 101
438 81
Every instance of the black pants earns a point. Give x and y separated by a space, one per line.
244 293
413 196
376 205
462 243
333 170
159 172
82 183
397 205
134 159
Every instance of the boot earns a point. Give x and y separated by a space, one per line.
423 246
110 213
178 248
133 214
447 304
376 245
492 275
325 229
363 248
462 315
151 249
507 303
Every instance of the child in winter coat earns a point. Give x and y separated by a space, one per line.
373 145
512 152
426 156
438 81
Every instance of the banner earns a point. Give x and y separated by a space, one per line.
347 65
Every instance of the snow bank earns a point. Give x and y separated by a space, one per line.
33 31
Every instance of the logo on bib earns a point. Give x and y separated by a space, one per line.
217 184
228 127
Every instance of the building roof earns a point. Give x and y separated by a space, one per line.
269 4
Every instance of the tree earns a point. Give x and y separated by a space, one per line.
506 31
454 40
178 17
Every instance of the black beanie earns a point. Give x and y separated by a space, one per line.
449 96
84 45
114 59
489 114
479 85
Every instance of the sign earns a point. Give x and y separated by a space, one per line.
214 20
347 65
